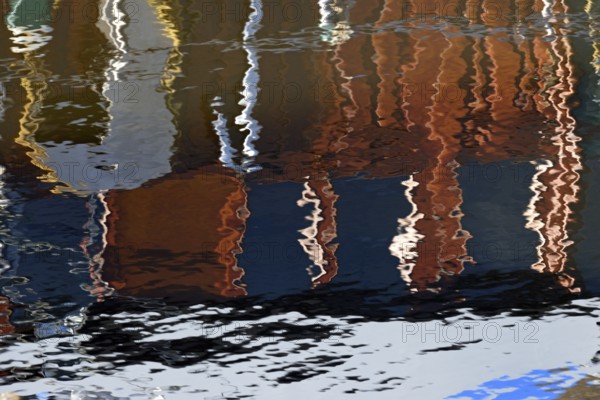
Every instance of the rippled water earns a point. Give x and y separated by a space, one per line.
286 199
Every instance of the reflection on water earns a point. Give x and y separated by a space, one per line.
295 196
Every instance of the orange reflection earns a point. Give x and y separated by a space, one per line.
452 99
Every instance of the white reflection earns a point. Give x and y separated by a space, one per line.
404 244
319 237
249 93
228 152
547 9
334 21
250 88
28 21
140 130
310 243
112 22
532 216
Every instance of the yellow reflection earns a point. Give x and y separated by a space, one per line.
9 396
34 85
168 13
593 10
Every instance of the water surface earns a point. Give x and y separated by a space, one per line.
287 199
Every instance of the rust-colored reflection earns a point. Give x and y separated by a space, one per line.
438 196
413 104
181 234
94 245
6 328
453 99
